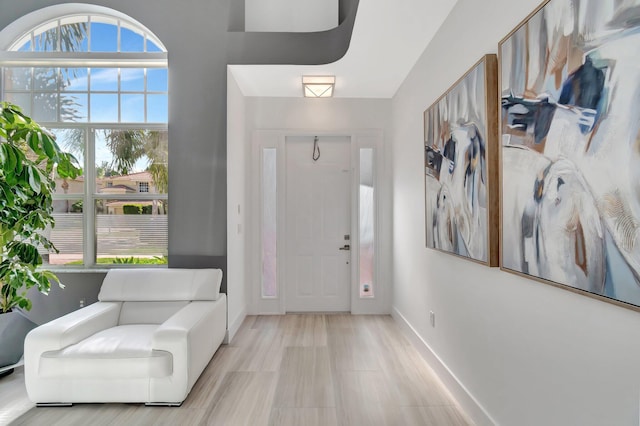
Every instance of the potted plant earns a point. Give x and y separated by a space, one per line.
29 161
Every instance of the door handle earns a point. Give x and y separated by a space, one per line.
345 247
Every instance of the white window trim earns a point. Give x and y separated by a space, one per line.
84 59
27 23
17 31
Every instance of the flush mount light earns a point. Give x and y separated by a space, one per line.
318 86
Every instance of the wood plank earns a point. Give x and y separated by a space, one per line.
432 416
303 417
297 369
364 398
244 398
305 330
305 379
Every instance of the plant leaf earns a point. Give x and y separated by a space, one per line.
48 145
34 179
8 115
10 157
8 194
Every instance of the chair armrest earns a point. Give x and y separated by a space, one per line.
190 336
64 331
71 328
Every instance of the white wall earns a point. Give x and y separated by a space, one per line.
236 206
529 353
320 114
342 116
291 15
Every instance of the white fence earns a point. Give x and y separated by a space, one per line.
116 235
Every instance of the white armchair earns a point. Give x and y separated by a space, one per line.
147 339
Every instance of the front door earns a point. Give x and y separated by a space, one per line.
318 212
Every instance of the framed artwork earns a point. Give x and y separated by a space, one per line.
570 148
461 170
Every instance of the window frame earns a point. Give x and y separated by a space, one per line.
87 59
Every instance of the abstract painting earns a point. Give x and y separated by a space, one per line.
570 147
460 154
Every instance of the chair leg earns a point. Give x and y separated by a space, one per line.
163 404
54 404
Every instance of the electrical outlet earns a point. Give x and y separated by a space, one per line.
432 319
82 303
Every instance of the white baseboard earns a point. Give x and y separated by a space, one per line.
467 402
234 326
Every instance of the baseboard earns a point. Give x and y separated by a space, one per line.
467 402
234 326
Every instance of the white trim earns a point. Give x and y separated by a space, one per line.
234 326
379 303
90 237
260 140
360 138
142 196
469 404
32 20
85 59
262 214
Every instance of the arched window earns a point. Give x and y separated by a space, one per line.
99 82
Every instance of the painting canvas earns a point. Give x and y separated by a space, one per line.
460 155
570 147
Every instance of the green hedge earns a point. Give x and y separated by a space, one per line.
136 209
132 209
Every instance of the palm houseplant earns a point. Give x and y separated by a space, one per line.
29 161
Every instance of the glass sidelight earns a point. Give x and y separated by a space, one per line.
269 222
366 219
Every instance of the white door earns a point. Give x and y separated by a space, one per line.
318 272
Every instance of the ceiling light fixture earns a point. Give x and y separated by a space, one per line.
318 86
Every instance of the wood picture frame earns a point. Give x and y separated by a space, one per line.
569 149
461 167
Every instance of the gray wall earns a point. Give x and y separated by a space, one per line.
311 48
194 33
79 288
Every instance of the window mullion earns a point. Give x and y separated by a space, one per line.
59 93
119 92
118 38
89 201
58 37
89 33
89 94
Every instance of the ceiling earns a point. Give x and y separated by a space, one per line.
388 38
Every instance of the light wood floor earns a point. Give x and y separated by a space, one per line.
298 370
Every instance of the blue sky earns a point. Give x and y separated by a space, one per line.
105 94
104 106
103 38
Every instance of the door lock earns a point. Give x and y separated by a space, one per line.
345 247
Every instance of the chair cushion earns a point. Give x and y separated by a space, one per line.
118 352
148 312
157 284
